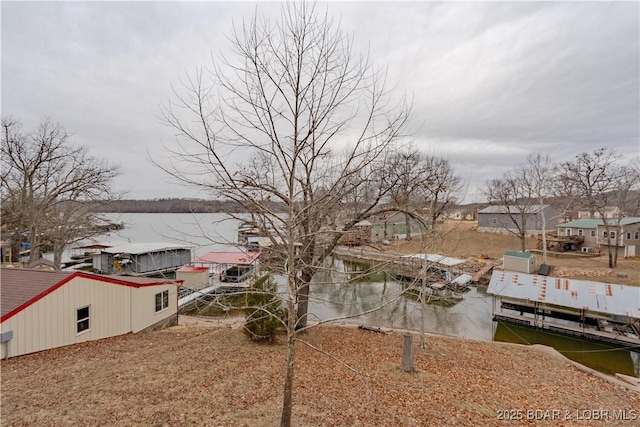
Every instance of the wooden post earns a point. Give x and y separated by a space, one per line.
407 354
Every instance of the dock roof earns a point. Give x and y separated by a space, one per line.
143 248
240 258
503 209
597 297
438 259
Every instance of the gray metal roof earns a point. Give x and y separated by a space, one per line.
143 248
578 294
505 209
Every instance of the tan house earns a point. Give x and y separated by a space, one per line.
46 309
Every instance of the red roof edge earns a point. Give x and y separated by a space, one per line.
86 276
110 279
36 299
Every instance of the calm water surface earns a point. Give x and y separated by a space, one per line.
338 294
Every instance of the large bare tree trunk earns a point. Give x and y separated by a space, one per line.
407 224
287 399
281 103
303 298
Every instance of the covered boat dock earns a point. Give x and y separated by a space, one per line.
142 259
599 311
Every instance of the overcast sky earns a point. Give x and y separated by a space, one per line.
491 82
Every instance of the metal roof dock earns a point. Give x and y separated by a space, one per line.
437 259
607 298
143 248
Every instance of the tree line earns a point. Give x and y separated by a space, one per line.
170 205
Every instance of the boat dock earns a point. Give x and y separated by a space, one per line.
598 311
424 269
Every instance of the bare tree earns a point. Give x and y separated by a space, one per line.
407 171
440 186
47 188
601 181
539 173
514 195
295 118
421 179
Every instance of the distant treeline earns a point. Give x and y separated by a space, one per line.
172 206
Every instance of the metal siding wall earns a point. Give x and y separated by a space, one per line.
144 306
51 321
194 280
161 260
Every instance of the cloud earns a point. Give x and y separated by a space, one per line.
491 82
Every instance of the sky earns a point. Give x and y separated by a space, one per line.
490 82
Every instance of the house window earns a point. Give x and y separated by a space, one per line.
637 235
567 232
494 221
593 233
82 319
628 235
612 234
604 234
580 232
162 300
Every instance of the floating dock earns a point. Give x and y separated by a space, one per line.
598 311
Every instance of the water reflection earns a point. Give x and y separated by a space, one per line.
603 357
346 289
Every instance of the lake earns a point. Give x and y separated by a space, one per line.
335 295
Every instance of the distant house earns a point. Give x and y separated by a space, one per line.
46 309
623 233
497 219
609 212
585 228
462 213
393 225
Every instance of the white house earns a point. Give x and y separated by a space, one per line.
44 309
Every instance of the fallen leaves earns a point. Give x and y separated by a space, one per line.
204 376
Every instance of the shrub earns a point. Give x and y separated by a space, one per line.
264 312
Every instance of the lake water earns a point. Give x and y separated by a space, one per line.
336 295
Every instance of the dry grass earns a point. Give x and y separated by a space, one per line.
203 376
462 239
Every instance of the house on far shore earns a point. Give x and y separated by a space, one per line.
44 309
609 212
463 212
625 234
497 219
